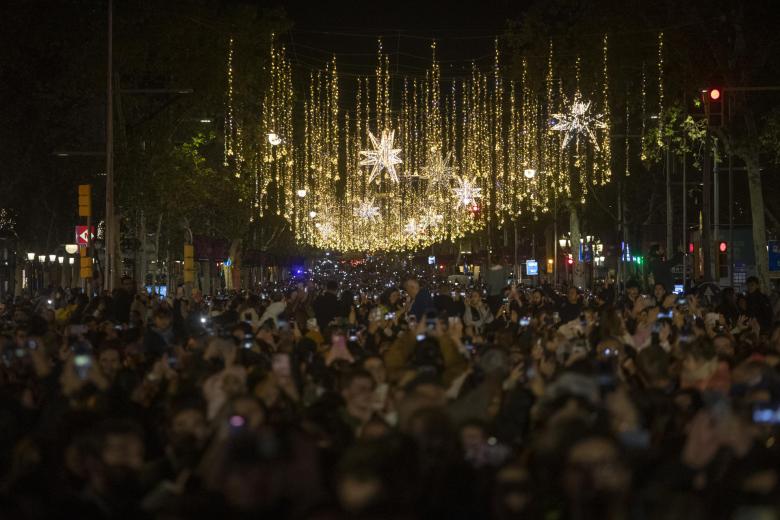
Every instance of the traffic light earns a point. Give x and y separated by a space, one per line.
722 259
85 200
569 259
713 106
189 263
691 248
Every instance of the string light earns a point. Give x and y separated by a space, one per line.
489 142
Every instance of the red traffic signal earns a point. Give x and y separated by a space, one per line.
569 260
714 94
690 247
722 247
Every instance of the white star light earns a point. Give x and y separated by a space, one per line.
579 121
366 210
430 218
325 229
413 227
382 157
467 191
438 171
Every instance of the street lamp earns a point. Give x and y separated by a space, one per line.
71 249
562 242
61 259
71 260
52 258
42 259
31 257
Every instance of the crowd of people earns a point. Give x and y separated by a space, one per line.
396 397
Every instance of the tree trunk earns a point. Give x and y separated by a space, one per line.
759 223
578 272
140 261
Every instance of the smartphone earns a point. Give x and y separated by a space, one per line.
82 363
665 315
280 365
236 423
353 335
766 413
390 316
525 321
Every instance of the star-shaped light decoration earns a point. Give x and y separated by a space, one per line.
366 210
413 227
579 121
438 171
467 191
431 218
382 157
325 229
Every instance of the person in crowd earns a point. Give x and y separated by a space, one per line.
326 306
419 298
477 313
758 304
650 407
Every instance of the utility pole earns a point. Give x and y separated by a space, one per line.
669 228
716 201
684 214
109 219
706 231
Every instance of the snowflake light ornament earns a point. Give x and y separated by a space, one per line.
366 210
431 218
413 227
438 171
579 121
467 191
382 157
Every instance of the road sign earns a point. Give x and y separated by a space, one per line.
531 268
708 293
82 236
678 269
774 255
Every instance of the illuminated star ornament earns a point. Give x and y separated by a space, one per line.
325 229
366 210
382 157
579 121
430 218
438 171
467 191
413 227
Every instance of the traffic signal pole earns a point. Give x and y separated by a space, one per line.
706 231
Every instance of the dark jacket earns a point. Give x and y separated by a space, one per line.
326 308
422 304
